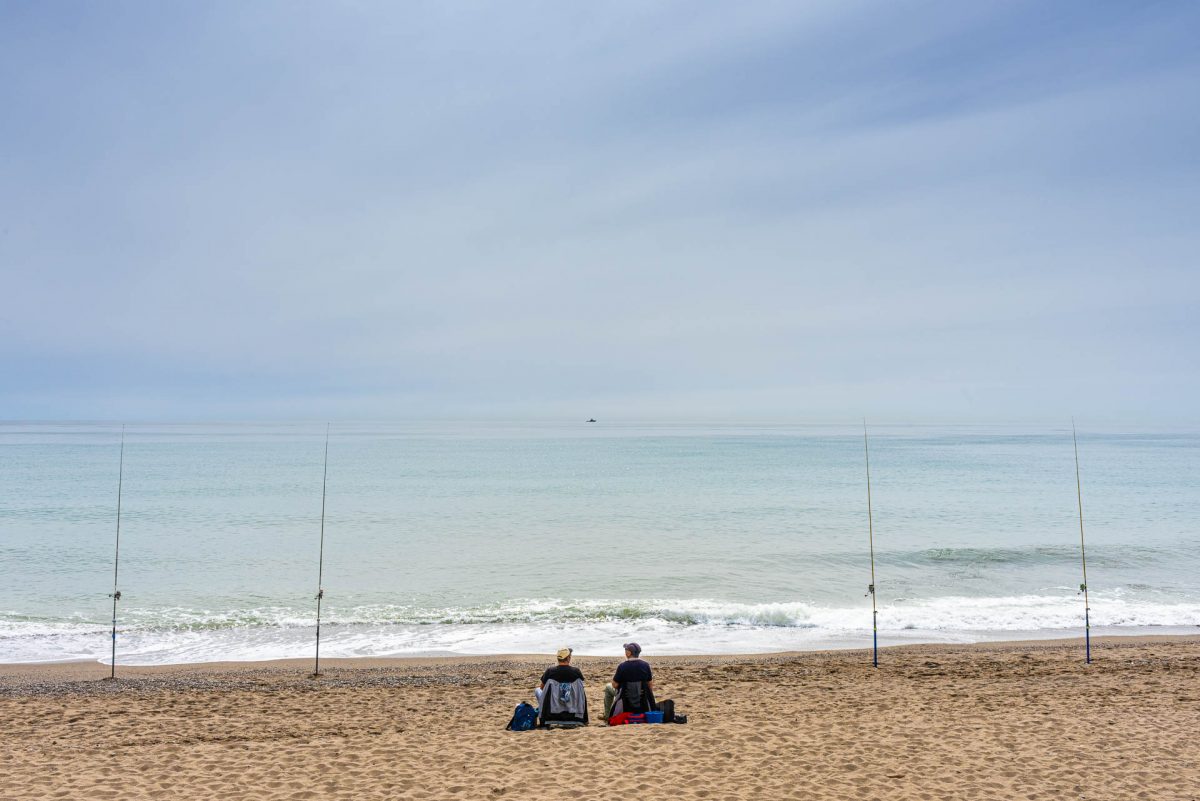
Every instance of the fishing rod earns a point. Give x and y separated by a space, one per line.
871 539
116 594
321 558
1083 588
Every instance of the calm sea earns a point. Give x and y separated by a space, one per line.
475 538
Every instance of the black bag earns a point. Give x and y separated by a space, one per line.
668 710
637 698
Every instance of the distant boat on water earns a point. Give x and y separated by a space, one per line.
591 419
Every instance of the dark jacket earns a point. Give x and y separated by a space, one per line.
564 702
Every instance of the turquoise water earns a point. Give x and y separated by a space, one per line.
492 537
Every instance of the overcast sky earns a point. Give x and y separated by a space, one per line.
797 211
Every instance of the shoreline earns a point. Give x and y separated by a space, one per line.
23 642
15 674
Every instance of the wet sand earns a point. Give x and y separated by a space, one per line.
997 721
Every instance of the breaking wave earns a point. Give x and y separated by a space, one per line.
673 625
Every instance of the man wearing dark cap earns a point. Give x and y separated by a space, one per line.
634 668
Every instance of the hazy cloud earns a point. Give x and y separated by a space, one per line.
935 210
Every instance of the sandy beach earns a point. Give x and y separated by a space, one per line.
1013 720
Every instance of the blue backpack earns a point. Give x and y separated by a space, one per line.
524 718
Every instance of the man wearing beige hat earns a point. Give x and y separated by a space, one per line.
567 701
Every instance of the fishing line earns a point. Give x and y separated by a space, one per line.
321 558
1083 588
871 536
116 594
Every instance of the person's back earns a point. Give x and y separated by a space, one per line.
633 670
562 672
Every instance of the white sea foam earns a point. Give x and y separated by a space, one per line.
590 626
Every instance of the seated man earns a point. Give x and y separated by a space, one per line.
632 687
560 694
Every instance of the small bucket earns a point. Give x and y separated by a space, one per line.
654 717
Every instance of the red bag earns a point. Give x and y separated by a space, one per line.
626 717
